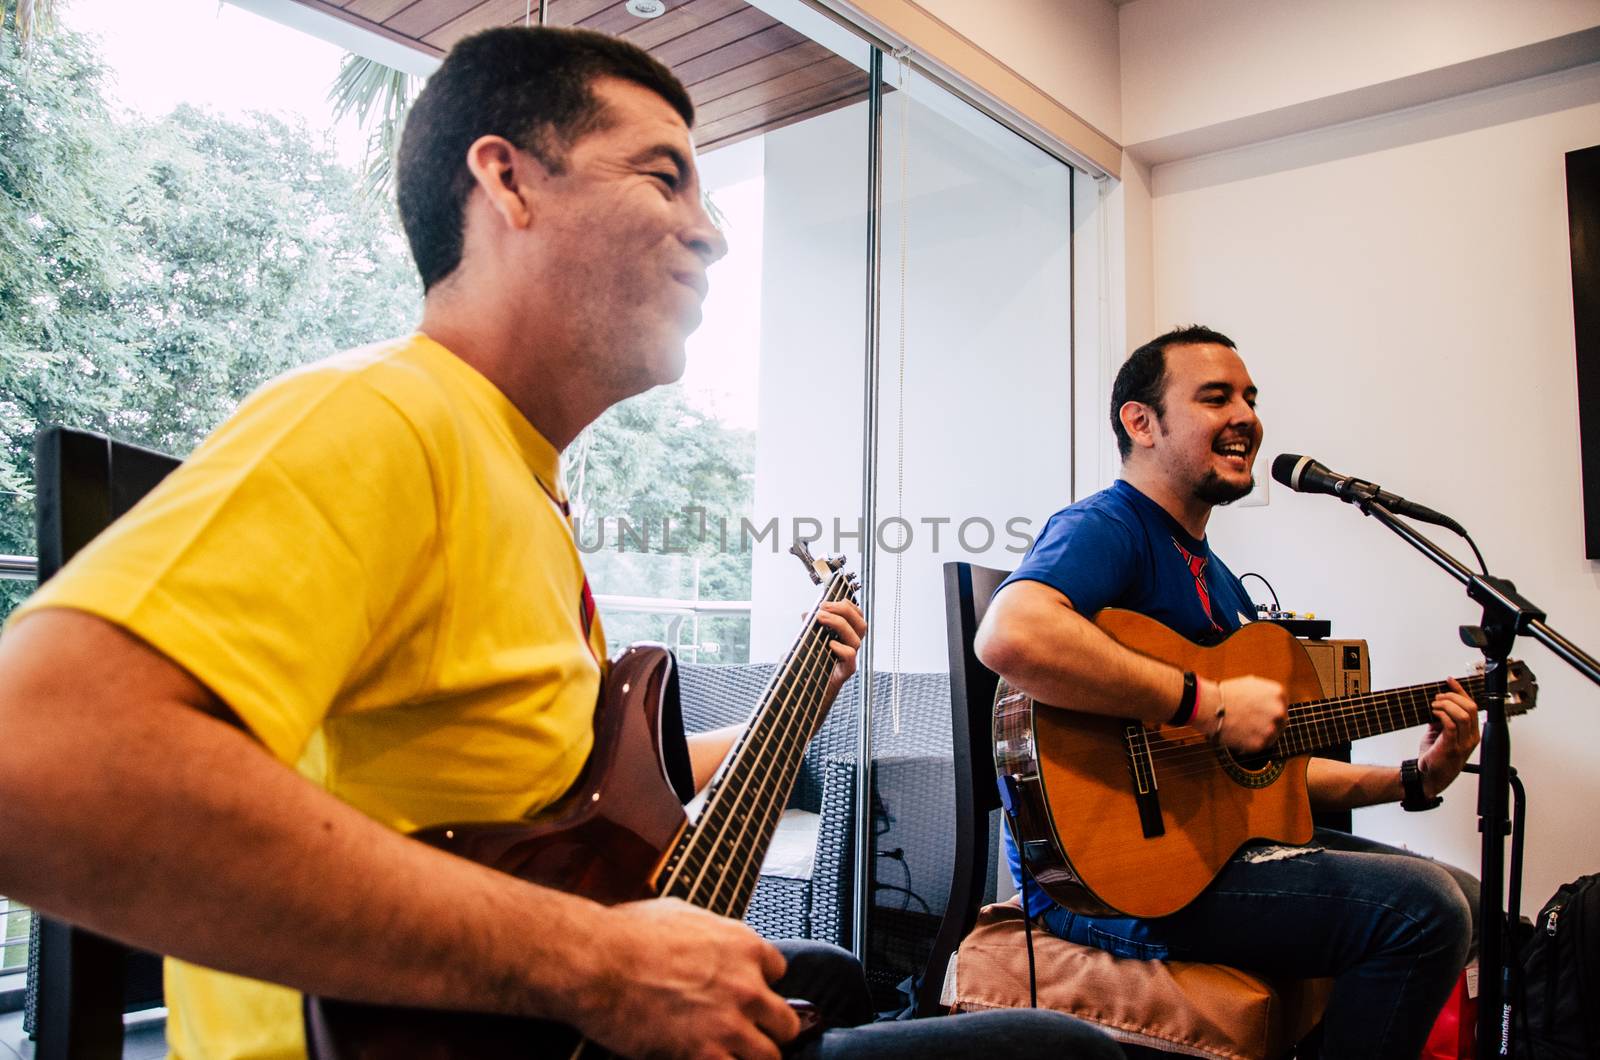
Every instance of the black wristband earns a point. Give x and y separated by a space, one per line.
1414 799
1185 712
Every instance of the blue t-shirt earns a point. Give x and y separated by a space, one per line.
1119 548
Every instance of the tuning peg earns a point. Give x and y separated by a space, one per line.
799 549
835 562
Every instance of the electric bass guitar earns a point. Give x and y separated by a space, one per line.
1115 817
620 834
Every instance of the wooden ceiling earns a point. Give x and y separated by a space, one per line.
746 71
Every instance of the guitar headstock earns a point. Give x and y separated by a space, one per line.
1522 687
819 569
816 568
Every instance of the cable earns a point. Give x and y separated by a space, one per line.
1268 584
910 894
1482 566
1027 916
899 854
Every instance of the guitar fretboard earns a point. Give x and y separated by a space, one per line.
717 860
1323 724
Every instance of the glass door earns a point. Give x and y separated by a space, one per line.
973 451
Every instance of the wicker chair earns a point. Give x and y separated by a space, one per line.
913 806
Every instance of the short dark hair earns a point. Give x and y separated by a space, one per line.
1143 376
533 86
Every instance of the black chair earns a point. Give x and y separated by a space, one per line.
967 589
80 984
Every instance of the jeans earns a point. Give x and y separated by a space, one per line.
832 980
1390 928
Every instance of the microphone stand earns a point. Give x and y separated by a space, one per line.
1506 615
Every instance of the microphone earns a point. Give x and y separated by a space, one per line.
1305 475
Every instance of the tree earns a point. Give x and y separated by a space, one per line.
28 17
154 273
659 489
381 96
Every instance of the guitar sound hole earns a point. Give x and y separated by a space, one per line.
1251 771
1254 763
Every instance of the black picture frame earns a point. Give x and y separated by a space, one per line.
1583 219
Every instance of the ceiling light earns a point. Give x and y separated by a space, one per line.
646 8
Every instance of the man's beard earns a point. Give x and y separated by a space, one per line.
1213 490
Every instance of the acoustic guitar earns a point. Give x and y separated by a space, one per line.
1115 817
620 834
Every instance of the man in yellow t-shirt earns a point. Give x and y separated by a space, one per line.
368 572
368 575
370 566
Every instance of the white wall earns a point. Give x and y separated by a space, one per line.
1189 66
1401 291
1067 48
1124 212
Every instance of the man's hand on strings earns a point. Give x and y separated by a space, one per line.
1451 738
845 621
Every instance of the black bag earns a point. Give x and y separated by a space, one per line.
1560 1010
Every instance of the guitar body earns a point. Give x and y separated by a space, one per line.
1082 829
605 839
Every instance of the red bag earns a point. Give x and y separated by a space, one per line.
1454 1035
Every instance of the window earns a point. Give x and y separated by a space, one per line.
182 231
173 234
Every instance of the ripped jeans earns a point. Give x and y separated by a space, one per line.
1391 928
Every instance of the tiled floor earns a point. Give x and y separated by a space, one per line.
144 1038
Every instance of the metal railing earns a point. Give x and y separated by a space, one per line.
26 568
679 613
19 568
14 918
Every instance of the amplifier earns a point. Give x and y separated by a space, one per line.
1342 666
1344 670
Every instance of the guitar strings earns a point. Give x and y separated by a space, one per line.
728 804
1319 719
756 820
809 677
1311 719
699 851
777 738
756 828
1307 730
1205 758
720 814
1407 701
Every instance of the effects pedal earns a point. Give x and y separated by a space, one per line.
1306 625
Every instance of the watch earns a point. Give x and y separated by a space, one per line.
1415 800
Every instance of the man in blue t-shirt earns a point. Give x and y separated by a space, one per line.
1391 929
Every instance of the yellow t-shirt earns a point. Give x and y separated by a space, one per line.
369 564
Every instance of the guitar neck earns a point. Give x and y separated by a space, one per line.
718 858
1323 724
